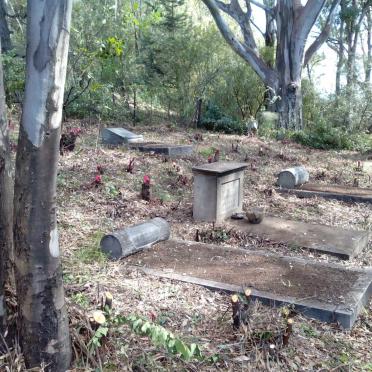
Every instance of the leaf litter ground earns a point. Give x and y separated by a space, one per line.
196 315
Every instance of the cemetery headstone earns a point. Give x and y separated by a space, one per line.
218 190
119 136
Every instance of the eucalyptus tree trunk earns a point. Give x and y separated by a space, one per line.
289 58
44 330
6 204
6 43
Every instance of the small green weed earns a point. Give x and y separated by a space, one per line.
308 331
80 299
206 152
344 358
95 341
158 335
90 252
111 190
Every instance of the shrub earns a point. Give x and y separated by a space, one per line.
323 136
215 120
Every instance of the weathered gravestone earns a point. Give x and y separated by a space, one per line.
119 136
125 242
218 190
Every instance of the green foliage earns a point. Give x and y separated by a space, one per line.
111 190
111 47
14 72
206 152
80 299
326 137
308 331
95 341
160 336
214 120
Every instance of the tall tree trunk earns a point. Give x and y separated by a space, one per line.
6 43
289 106
43 317
289 59
6 205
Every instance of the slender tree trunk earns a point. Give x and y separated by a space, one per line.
340 56
270 31
368 67
134 116
43 317
6 205
6 43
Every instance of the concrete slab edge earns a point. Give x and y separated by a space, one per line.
358 245
361 291
171 150
312 309
286 258
326 195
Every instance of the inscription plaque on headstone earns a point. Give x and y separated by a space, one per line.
230 194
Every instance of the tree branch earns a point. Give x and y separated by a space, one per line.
267 75
262 6
365 8
307 17
323 36
235 11
257 28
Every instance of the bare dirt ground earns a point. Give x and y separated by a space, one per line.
195 314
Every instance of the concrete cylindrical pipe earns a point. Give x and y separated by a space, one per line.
132 239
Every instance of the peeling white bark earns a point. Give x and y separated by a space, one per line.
2 139
44 331
2 308
36 90
53 243
41 76
51 347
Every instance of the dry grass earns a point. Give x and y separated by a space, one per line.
193 313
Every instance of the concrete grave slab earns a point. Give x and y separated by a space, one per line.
330 293
218 190
343 193
326 239
367 166
164 149
119 136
